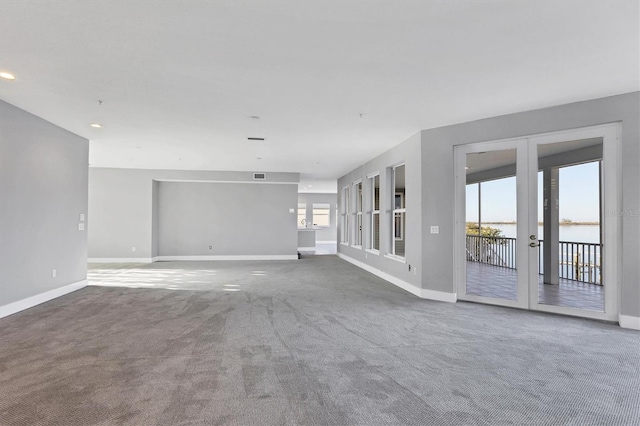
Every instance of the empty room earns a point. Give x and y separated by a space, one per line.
311 212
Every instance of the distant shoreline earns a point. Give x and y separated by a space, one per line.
540 223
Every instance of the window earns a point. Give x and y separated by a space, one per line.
344 206
321 215
374 184
357 187
302 215
399 228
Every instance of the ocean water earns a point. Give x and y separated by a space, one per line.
571 233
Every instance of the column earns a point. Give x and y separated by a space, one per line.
551 254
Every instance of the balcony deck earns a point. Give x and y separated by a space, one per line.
500 282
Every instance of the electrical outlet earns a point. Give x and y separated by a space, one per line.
435 229
133 249
54 273
210 247
81 217
292 211
409 268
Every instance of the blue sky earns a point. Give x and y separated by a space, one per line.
578 196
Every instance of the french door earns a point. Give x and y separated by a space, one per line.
514 247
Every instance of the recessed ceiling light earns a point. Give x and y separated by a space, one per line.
96 125
7 75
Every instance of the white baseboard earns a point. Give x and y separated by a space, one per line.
32 301
307 248
120 260
420 292
229 257
627 321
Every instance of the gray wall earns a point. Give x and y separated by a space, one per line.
121 204
438 163
408 152
43 191
231 218
325 234
436 184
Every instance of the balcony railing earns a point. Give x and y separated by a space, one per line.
577 261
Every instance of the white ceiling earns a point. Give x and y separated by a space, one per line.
180 79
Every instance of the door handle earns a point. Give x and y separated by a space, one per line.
534 244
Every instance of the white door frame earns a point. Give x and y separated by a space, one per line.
610 134
527 182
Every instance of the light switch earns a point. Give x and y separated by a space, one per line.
81 217
81 227
292 211
435 229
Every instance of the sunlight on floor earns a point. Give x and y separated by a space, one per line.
170 279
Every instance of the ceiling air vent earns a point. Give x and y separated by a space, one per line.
255 139
259 176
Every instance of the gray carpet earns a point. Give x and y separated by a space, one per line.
308 342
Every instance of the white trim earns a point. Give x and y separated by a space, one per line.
373 251
420 292
121 260
627 321
439 296
373 174
230 257
38 299
395 257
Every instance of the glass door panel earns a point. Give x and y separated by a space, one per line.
491 226
569 216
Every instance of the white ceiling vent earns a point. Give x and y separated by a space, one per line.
259 176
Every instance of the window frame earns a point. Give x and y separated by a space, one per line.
344 215
357 188
314 215
374 213
400 211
